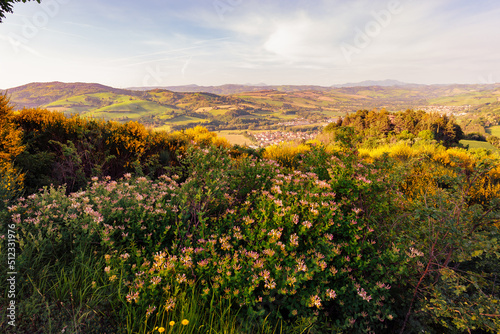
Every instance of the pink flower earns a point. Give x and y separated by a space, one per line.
150 310
301 266
331 293
155 280
203 263
315 301
133 297
363 294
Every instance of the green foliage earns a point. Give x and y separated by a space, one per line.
322 240
381 124
6 6
495 141
426 134
236 228
448 225
70 151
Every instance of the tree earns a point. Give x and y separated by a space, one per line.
6 6
10 136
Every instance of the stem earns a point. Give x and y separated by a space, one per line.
426 271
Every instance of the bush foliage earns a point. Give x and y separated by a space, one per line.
135 230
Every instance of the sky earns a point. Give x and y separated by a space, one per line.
123 43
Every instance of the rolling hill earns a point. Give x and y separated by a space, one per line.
241 106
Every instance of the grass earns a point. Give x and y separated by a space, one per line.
78 298
59 297
494 130
133 106
212 316
180 120
235 138
473 144
472 98
121 107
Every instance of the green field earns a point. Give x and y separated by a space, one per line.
478 144
471 98
494 130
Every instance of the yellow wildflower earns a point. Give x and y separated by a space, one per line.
185 322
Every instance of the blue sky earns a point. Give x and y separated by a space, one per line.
212 42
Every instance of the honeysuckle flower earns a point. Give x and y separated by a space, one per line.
150 310
315 301
307 224
363 294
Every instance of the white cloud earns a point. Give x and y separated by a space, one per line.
256 41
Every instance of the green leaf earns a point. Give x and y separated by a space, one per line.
477 253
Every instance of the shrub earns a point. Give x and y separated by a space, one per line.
287 244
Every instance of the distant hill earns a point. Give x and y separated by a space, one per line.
243 106
232 88
38 94
383 83
236 89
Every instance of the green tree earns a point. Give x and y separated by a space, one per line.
6 6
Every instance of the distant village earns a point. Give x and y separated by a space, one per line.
446 110
264 139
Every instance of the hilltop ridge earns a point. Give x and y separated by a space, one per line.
243 106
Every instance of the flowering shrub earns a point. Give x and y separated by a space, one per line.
291 244
335 243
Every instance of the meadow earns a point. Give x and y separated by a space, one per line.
478 144
494 130
120 229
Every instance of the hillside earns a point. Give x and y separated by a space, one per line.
246 106
40 94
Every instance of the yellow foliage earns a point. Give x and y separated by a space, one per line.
400 150
285 153
454 156
201 136
10 137
314 142
130 137
426 178
11 181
